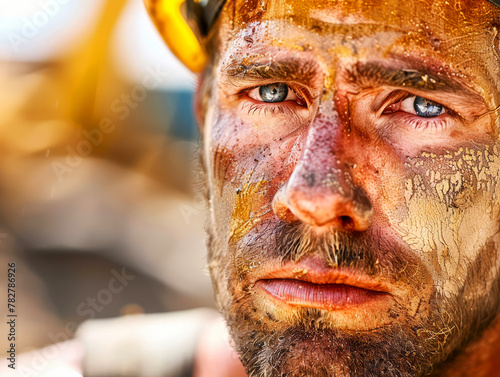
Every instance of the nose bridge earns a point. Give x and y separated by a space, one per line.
320 166
320 190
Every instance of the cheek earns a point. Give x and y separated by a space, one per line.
246 167
240 149
452 213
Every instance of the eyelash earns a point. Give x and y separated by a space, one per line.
431 125
264 109
258 108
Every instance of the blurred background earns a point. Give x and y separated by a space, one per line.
98 151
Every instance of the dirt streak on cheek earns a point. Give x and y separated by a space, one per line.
247 173
453 211
247 211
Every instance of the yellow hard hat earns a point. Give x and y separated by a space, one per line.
184 24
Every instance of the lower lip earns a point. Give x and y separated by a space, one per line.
322 296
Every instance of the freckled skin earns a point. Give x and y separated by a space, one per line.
335 178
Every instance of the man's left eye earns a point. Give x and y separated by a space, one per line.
422 107
273 93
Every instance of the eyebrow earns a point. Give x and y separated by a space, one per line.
290 68
409 74
404 73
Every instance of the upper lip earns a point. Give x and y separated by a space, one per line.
314 271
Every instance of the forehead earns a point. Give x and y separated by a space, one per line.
461 34
382 10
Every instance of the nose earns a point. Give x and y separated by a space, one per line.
323 204
320 191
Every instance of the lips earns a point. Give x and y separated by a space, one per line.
322 296
310 284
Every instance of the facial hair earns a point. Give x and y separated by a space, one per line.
310 346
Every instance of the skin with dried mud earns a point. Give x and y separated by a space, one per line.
345 176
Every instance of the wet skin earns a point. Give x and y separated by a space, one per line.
351 233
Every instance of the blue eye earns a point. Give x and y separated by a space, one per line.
273 93
427 108
420 106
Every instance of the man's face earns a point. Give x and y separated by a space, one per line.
352 159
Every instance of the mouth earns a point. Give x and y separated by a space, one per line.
321 296
311 285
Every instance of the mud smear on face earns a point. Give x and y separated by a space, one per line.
451 205
244 216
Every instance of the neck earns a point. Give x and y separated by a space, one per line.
479 359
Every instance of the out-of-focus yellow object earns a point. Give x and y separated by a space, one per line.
177 33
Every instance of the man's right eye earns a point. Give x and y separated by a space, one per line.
275 109
273 93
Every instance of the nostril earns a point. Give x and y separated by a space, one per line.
347 221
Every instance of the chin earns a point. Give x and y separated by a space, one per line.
311 350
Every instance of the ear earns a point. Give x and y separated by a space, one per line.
203 93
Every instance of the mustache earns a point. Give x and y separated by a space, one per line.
338 248
290 242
